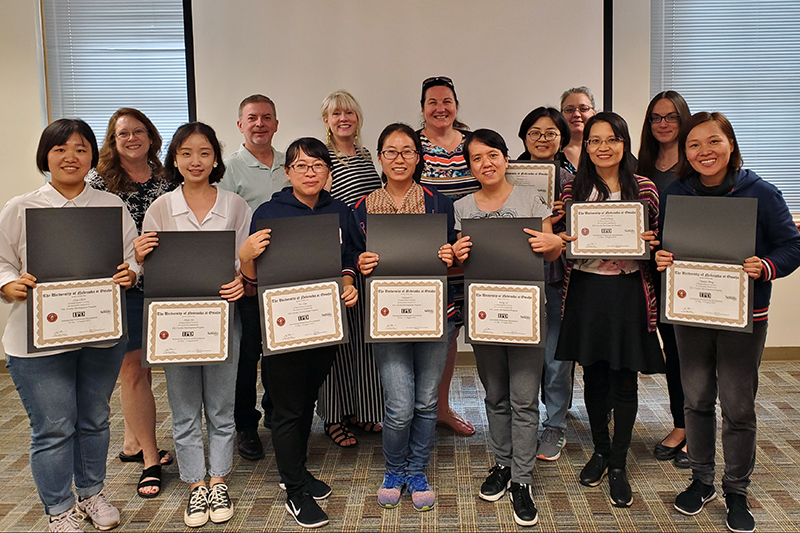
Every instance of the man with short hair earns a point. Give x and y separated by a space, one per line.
255 172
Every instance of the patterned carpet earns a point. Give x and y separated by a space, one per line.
458 466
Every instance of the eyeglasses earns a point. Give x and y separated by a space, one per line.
139 133
535 135
440 79
611 142
391 155
671 118
570 109
302 168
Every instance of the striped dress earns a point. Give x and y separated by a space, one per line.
353 386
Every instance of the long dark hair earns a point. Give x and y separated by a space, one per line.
181 134
649 145
587 176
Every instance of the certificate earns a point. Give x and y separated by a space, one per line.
539 174
406 309
76 313
187 331
507 314
302 316
607 230
707 294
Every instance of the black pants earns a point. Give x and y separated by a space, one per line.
674 386
293 381
602 385
245 412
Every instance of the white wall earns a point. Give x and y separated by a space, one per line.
383 100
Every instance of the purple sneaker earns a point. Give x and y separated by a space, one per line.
422 496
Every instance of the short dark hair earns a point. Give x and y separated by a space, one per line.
399 127
58 133
490 138
587 176
649 145
310 146
531 118
181 134
684 167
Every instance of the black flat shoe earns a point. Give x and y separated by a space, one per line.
681 459
666 453
619 488
592 474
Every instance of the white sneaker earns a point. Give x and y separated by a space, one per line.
67 522
99 510
219 503
196 513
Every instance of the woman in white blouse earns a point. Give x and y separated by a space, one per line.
194 159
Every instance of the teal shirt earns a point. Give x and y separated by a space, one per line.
253 180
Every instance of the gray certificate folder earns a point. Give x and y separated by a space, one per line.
301 249
500 249
72 243
407 245
190 264
710 228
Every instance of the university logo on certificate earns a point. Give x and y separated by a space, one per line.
302 316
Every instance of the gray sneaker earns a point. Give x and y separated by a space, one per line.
67 522
99 510
551 443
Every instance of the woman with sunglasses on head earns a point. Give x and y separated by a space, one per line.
720 362
129 167
577 105
410 371
194 163
544 133
609 324
510 374
445 169
351 395
294 378
65 391
658 160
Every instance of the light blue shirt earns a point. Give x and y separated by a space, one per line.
253 180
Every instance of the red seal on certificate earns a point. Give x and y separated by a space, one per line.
681 293
163 335
385 311
281 321
52 317
482 315
585 231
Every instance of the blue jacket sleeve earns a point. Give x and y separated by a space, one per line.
778 243
352 244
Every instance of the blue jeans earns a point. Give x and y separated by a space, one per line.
410 375
557 375
193 389
66 397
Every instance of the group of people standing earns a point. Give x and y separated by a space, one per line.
610 323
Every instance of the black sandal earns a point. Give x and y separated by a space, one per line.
368 427
153 472
139 457
339 433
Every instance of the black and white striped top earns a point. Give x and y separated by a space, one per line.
353 177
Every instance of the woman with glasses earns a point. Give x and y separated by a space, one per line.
609 324
410 371
351 395
510 374
129 167
445 169
294 378
658 160
723 363
544 133
577 105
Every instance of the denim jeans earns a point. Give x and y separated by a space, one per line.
557 375
66 397
192 389
410 375
511 377
725 362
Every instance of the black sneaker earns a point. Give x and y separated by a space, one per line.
691 501
496 484
740 519
592 474
319 489
305 510
525 513
619 488
250 446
